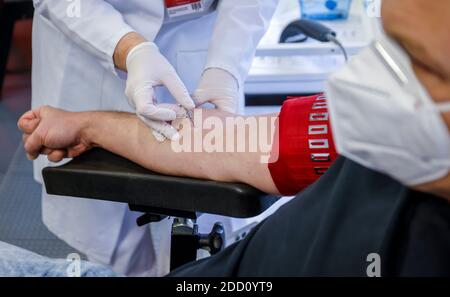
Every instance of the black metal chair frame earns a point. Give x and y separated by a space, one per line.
101 175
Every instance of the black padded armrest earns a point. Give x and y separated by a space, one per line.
101 175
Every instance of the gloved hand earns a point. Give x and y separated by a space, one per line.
218 87
161 130
148 68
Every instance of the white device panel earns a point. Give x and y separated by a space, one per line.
302 68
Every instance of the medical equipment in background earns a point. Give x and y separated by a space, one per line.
312 29
325 9
302 68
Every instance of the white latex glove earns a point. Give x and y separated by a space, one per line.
218 87
161 130
148 68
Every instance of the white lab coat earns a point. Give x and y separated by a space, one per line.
73 69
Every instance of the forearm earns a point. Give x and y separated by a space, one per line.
125 135
125 45
439 188
442 186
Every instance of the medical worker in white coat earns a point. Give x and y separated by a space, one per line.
204 48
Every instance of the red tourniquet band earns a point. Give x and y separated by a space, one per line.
303 149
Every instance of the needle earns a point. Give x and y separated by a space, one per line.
189 114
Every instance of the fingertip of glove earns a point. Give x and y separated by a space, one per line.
188 103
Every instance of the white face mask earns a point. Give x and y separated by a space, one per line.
384 119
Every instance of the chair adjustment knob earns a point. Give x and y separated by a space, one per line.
213 242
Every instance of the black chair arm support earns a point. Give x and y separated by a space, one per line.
99 174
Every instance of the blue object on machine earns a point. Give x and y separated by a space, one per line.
325 9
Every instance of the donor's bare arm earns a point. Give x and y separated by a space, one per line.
219 146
